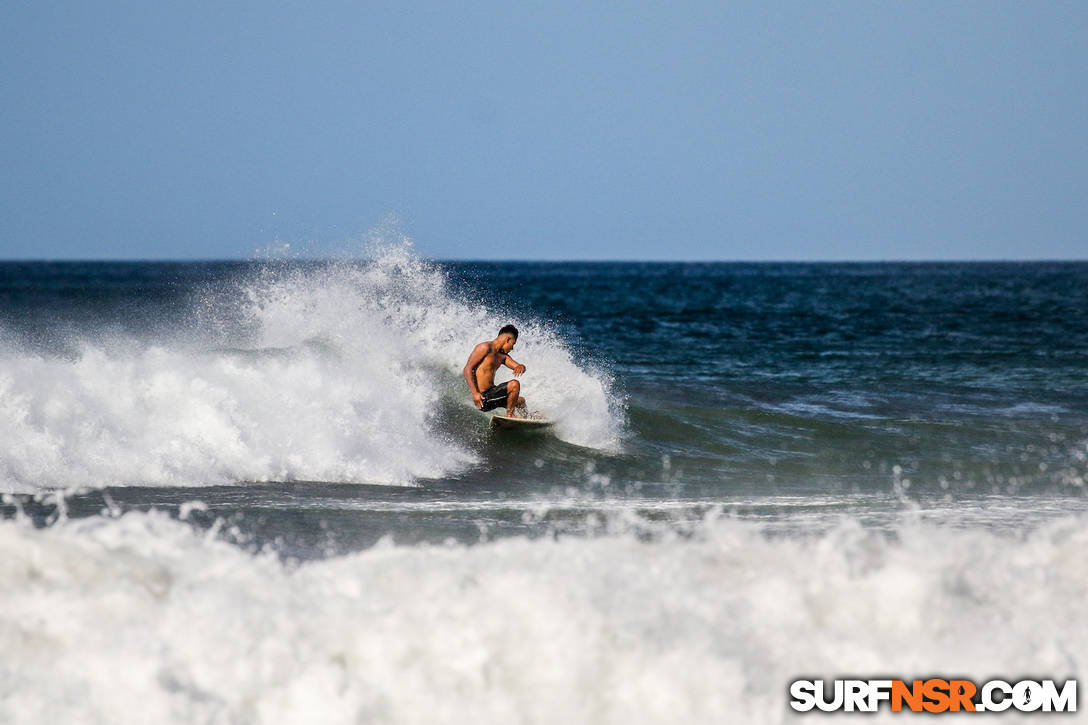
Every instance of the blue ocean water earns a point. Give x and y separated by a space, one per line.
757 470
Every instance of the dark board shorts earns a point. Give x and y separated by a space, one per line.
495 396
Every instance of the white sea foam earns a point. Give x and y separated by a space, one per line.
332 372
141 619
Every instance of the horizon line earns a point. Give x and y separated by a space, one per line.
595 260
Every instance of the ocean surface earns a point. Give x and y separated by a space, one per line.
258 492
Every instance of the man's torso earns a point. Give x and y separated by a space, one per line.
485 373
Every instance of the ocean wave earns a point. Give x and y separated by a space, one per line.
141 616
331 372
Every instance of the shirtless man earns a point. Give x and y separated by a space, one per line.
480 374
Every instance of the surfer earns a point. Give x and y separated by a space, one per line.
480 374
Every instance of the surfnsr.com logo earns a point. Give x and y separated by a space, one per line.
934 695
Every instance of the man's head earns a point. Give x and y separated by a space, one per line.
508 335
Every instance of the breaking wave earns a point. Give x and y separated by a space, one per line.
332 372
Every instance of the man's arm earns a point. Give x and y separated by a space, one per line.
514 365
474 359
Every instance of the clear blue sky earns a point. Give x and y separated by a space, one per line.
546 130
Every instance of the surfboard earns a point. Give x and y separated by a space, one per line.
501 422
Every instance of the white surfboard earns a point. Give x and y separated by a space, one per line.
501 422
